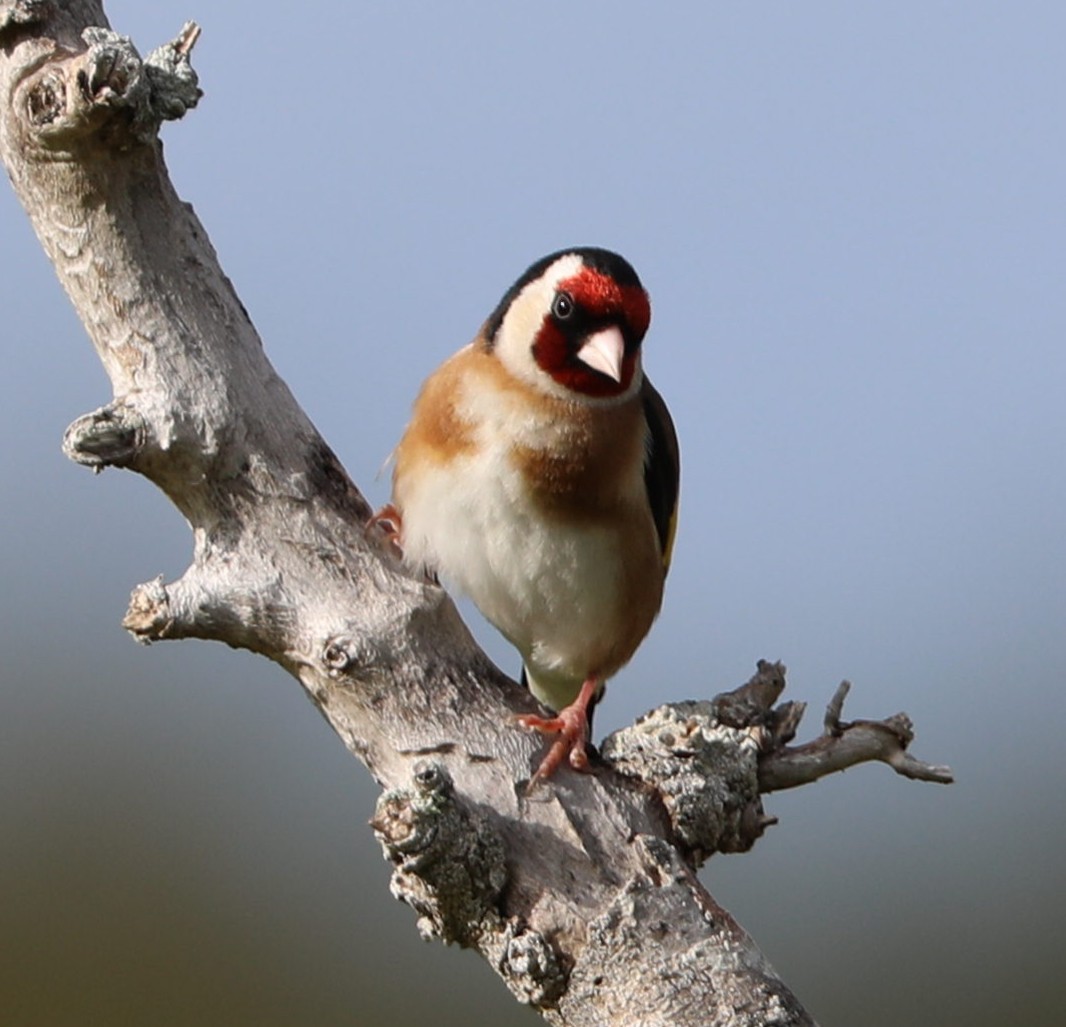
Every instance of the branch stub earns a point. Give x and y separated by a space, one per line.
109 437
449 862
705 772
15 13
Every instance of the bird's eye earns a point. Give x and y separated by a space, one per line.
563 305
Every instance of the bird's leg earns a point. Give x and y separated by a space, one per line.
391 524
571 724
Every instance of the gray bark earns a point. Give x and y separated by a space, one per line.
582 894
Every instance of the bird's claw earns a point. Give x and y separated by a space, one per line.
390 524
571 725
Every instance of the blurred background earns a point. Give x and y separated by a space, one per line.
851 222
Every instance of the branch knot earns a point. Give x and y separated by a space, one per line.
107 87
22 13
449 861
112 436
530 966
705 772
149 617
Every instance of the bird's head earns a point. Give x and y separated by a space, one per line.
572 326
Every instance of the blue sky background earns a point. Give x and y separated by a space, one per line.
850 218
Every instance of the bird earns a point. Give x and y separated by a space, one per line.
539 474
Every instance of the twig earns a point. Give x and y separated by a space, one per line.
190 33
844 745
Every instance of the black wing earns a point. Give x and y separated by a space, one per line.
662 468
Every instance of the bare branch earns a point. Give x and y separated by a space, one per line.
711 761
582 896
844 745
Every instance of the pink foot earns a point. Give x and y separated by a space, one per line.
571 724
390 522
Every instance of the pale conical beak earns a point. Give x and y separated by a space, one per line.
604 351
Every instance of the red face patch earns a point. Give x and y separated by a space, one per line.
602 297
599 300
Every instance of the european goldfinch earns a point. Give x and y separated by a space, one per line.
539 474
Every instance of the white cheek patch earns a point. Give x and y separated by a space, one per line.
523 320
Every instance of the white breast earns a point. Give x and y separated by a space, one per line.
555 589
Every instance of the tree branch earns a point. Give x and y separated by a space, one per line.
582 896
844 745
